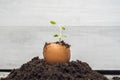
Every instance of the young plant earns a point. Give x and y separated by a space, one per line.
61 29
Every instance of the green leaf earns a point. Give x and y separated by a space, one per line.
62 27
52 22
56 35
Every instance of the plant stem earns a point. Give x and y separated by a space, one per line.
60 33
59 39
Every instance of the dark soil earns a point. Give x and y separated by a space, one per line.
116 78
61 43
38 69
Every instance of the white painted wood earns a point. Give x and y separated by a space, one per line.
99 46
93 24
3 74
68 12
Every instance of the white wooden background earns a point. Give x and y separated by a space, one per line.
93 30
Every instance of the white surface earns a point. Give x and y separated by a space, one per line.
3 74
93 30
68 12
99 46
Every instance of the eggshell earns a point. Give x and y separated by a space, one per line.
56 53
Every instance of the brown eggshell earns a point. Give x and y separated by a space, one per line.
56 53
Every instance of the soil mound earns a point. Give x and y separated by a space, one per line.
38 69
116 78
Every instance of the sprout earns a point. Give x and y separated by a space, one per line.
61 29
53 22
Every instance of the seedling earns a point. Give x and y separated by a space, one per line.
61 29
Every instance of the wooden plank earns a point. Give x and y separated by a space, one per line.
99 46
